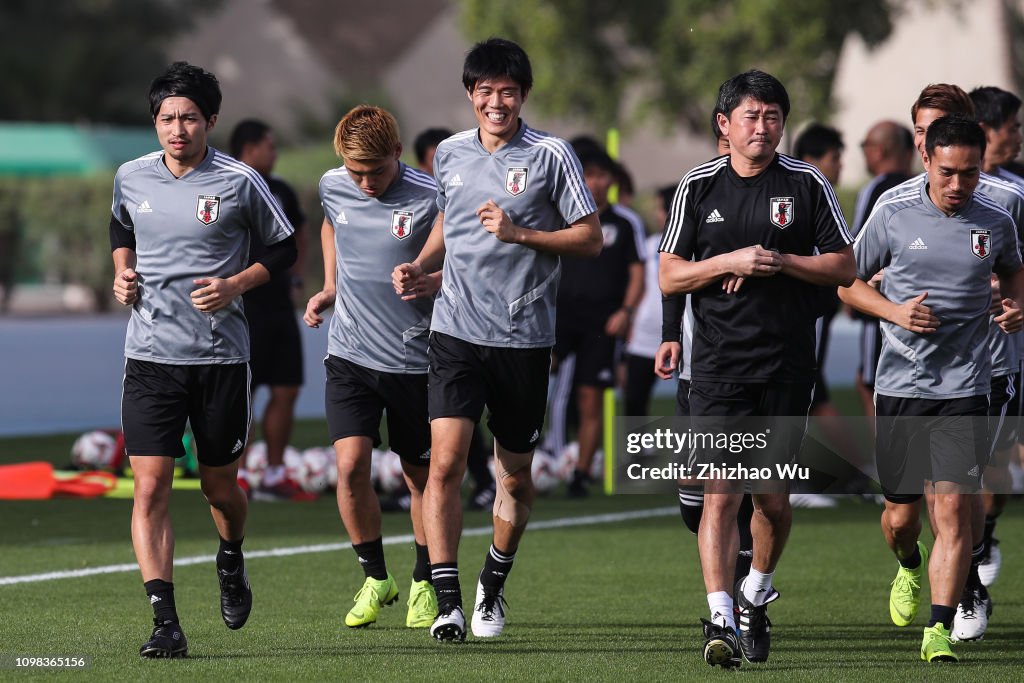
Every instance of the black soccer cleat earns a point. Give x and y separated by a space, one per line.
721 646
235 597
754 625
167 642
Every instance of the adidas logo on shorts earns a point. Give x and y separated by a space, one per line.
238 446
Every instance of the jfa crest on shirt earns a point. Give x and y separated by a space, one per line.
981 243
401 224
515 180
208 208
782 211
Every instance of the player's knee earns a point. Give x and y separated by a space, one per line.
515 492
152 493
353 471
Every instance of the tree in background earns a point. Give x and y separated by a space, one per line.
86 60
611 62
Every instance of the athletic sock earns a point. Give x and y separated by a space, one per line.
912 561
371 558
691 506
990 529
421 572
977 555
757 587
743 560
229 555
721 605
445 577
161 598
497 565
942 615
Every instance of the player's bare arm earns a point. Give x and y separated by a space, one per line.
215 293
324 299
619 323
582 238
677 275
913 314
126 284
666 359
1010 319
834 269
416 279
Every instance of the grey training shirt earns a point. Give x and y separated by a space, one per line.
191 227
498 294
1004 349
371 325
952 258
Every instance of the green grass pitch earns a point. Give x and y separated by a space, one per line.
614 600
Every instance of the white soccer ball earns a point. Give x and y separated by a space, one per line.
94 450
256 458
293 462
389 472
567 460
544 471
313 476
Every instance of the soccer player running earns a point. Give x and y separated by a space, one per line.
998 113
270 310
180 230
511 200
751 235
972 612
378 213
939 245
888 150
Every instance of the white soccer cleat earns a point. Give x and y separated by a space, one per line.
972 613
988 571
488 612
450 626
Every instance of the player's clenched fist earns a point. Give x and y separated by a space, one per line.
496 221
316 305
126 287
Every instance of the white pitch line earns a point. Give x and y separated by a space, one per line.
559 523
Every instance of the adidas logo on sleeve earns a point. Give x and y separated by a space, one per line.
714 217
455 182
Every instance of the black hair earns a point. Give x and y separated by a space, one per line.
817 140
495 58
994 106
624 179
247 132
594 155
954 129
757 84
905 136
181 79
431 137
666 194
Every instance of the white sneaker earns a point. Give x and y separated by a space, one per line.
488 612
988 570
450 626
971 618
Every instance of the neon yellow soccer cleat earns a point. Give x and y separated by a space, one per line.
371 597
935 645
422 605
905 596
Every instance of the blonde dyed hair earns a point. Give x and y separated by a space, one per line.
366 133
